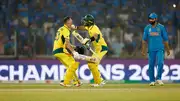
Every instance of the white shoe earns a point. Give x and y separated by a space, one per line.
95 85
78 84
62 84
152 84
103 82
159 82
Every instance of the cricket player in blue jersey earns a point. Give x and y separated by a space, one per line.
155 36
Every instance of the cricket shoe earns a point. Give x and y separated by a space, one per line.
65 85
95 85
159 82
77 84
103 82
152 84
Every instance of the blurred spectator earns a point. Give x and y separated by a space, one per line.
23 8
80 2
106 31
165 16
1 43
73 11
136 45
123 2
178 14
49 23
121 22
61 4
128 37
23 41
9 48
177 56
48 42
118 46
23 11
58 6
116 3
171 34
38 16
126 53
91 2
34 26
2 15
170 28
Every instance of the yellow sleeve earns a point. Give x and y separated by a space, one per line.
95 30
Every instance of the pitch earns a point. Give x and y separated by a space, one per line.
110 92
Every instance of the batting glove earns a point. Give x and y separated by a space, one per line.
75 54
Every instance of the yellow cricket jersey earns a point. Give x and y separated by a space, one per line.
59 42
99 44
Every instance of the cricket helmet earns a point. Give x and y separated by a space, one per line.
88 20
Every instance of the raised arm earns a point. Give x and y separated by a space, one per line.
78 27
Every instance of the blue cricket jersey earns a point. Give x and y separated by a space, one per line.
155 36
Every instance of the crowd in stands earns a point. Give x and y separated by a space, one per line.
29 26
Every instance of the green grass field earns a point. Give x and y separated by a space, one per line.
110 92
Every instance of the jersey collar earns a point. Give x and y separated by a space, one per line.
66 27
90 27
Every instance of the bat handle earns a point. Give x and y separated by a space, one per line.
86 46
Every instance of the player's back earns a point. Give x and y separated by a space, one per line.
59 42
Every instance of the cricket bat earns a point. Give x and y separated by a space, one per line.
80 39
87 58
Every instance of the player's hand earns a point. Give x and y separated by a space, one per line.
143 53
168 52
86 43
79 49
73 27
167 48
76 55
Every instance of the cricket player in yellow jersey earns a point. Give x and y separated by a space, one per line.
61 44
98 42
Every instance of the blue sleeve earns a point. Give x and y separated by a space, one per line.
145 34
164 34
